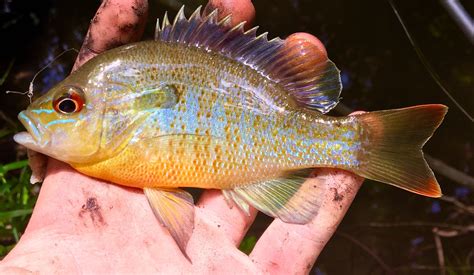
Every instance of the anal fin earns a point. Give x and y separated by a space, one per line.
286 197
174 208
231 196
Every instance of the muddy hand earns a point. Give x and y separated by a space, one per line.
117 22
83 225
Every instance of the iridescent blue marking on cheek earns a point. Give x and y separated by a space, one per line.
23 117
59 121
41 111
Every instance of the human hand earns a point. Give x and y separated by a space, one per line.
84 225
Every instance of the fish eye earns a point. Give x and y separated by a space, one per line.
69 102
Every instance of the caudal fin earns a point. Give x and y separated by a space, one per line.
393 150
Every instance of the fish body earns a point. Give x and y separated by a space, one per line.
222 125
210 106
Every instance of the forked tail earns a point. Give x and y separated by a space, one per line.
393 146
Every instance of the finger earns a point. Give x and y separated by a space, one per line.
309 55
291 248
232 221
116 22
241 10
310 44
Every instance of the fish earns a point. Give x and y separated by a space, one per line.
213 106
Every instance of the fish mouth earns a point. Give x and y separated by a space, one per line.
34 138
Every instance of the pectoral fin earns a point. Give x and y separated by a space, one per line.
174 208
286 198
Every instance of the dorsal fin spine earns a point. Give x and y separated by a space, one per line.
249 45
157 28
175 30
226 21
166 21
252 31
212 17
179 16
196 15
193 37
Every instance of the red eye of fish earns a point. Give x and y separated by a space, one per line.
69 102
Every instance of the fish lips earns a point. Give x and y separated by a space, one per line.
35 138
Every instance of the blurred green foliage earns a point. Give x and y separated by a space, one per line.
16 195
248 244
5 74
16 202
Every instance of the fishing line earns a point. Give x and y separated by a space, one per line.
427 65
29 92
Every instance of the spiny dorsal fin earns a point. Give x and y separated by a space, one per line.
311 78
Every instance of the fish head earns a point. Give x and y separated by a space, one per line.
66 122
96 111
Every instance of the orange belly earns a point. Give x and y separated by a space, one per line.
135 169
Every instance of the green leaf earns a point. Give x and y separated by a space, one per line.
25 195
15 234
5 132
15 165
7 72
248 244
15 213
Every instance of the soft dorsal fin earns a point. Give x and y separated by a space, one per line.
312 79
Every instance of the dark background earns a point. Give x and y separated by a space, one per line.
386 229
